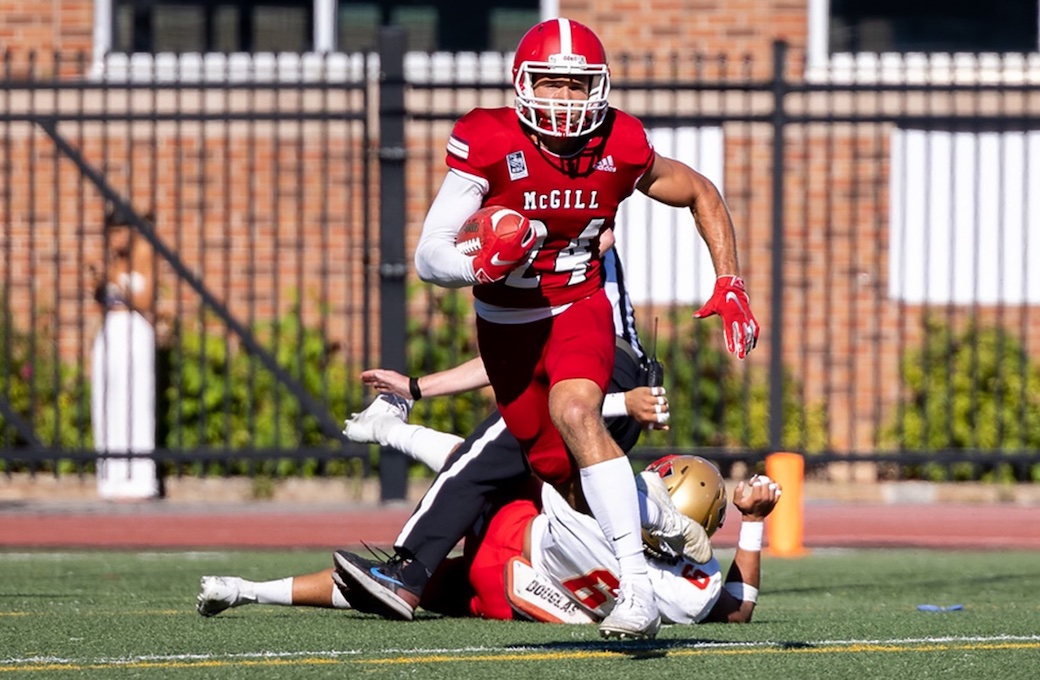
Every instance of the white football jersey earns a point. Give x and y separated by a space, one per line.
569 548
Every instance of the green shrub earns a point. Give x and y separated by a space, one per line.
976 389
220 396
712 404
50 396
442 339
716 402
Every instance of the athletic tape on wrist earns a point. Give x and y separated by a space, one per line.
614 405
742 591
751 536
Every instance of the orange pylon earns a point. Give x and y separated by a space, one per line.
787 522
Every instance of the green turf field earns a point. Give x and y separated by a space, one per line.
833 614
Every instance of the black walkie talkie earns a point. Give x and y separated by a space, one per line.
654 368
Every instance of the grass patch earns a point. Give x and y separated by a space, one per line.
832 614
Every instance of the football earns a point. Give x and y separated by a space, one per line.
491 221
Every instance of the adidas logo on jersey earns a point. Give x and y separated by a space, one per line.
605 164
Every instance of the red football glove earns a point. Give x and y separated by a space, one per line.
498 256
730 301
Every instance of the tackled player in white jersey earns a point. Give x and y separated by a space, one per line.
558 565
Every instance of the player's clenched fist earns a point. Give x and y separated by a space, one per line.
730 301
756 497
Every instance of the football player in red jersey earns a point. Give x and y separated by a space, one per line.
566 160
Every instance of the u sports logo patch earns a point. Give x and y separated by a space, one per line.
517 165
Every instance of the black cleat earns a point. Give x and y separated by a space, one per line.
375 587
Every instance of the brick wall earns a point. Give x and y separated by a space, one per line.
737 28
48 27
269 216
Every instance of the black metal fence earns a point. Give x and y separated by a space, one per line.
884 214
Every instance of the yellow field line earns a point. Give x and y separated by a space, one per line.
857 648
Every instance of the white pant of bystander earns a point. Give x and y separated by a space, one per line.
123 405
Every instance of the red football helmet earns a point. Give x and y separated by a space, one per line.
561 47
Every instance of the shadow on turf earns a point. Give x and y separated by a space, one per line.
642 649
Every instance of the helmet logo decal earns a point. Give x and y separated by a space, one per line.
567 60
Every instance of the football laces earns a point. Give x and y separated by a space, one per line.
469 246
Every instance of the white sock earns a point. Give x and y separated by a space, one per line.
649 513
338 601
273 592
429 447
610 491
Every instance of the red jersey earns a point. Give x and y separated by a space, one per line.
575 198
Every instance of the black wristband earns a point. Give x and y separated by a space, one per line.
413 387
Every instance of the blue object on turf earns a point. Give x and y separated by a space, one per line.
937 608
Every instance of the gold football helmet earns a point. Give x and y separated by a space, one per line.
696 487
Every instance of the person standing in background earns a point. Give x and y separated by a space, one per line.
123 369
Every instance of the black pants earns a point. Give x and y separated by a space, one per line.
485 469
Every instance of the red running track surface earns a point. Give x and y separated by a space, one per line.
163 525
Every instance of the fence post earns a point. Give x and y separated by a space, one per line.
393 466
776 316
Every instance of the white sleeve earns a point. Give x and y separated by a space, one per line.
436 259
